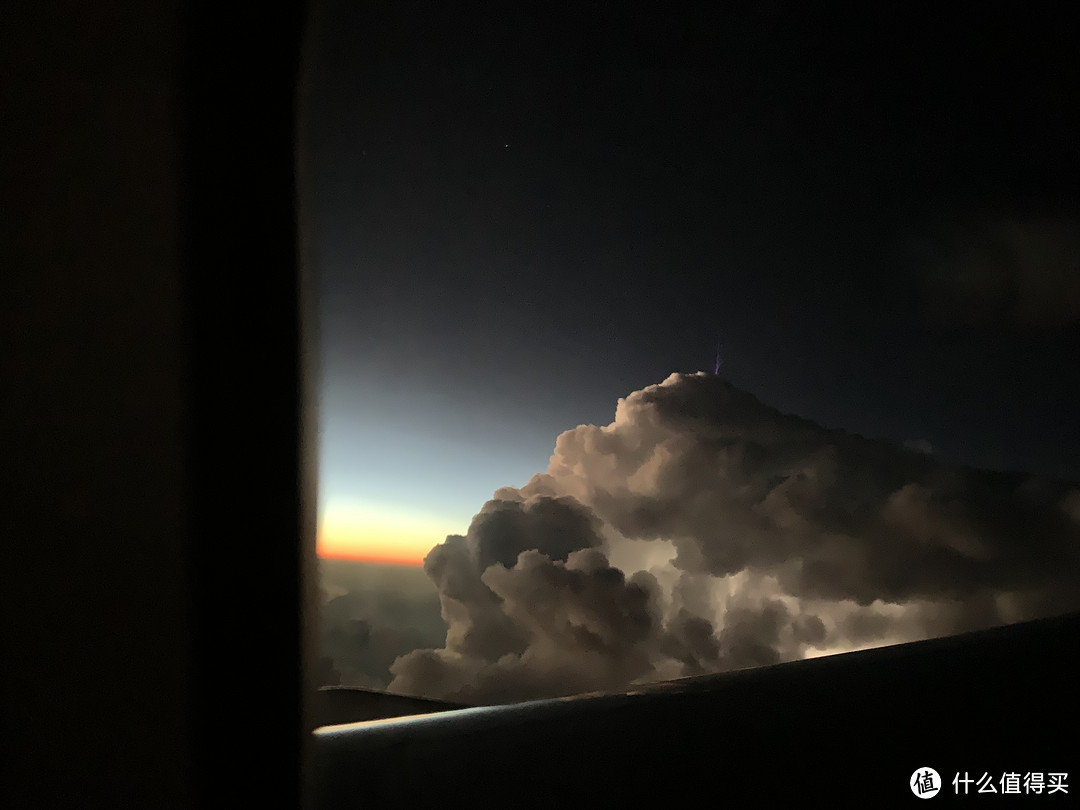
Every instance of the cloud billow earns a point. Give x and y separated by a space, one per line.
786 539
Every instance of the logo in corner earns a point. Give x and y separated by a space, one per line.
925 782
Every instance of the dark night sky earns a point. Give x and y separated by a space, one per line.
522 217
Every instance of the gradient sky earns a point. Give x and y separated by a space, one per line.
520 219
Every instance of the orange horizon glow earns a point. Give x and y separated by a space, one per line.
369 558
370 533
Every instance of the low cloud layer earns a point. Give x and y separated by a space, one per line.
703 531
370 615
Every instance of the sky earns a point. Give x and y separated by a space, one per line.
520 219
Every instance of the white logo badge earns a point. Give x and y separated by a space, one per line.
925 783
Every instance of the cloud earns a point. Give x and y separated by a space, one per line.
370 615
1023 272
703 531
919 446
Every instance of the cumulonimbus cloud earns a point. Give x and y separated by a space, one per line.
703 531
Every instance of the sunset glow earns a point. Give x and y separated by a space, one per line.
350 530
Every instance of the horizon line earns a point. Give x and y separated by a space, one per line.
410 562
